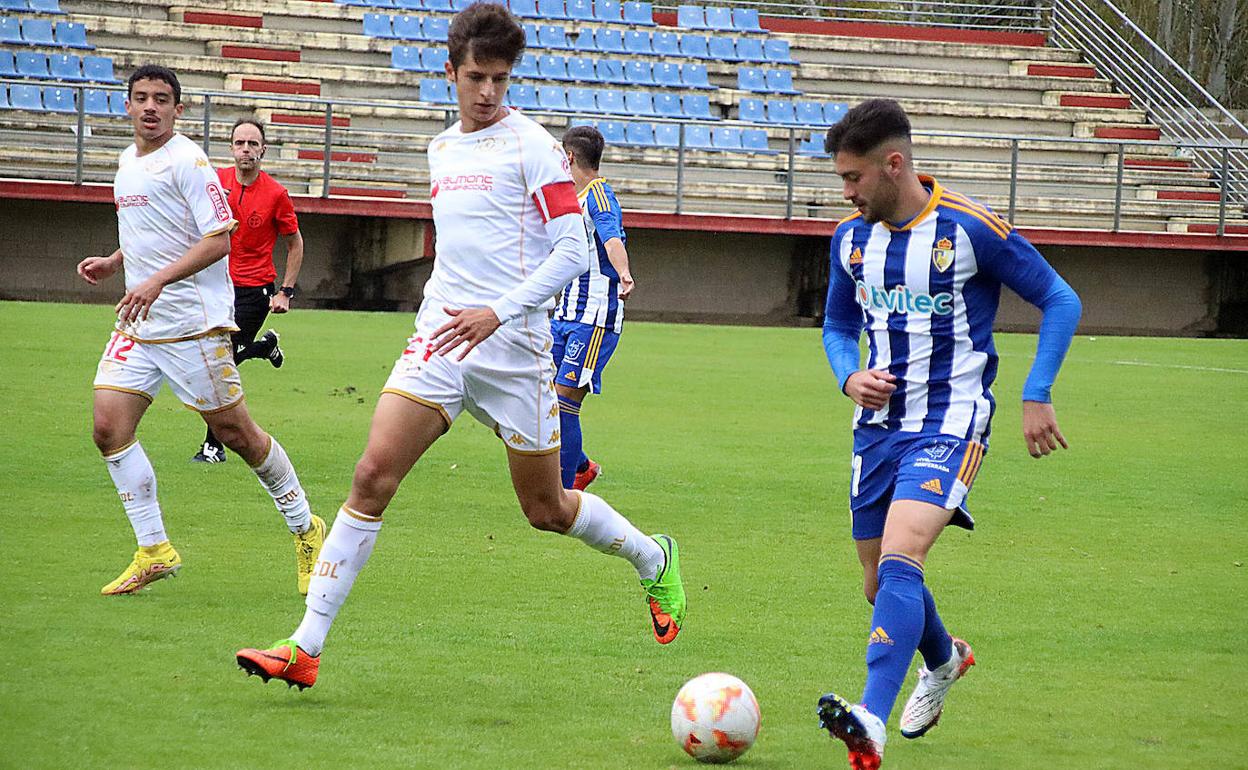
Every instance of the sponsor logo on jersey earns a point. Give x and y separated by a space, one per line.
880 636
855 256
129 201
942 254
219 206
201 163
932 486
901 300
516 439
483 182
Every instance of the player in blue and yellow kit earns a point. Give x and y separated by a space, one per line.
921 268
590 315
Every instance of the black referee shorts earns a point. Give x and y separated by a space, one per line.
251 307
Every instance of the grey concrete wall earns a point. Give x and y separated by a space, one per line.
365 262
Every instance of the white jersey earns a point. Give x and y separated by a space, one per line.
493 191
167 201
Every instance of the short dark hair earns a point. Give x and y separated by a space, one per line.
587 144
867 126
488 31
248 122
155 72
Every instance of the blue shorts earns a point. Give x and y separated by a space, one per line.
894 465
581 352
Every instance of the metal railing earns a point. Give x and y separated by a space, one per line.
1006 15
1108 38
1010 169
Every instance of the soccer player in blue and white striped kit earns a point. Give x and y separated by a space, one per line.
921 267
590 316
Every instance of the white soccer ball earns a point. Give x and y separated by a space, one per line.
715 718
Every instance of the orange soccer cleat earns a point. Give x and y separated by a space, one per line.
285 660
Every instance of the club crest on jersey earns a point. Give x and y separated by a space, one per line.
942 254
489 144
855 256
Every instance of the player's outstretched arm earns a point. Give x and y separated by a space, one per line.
138 301
96 269
1040 429
617 255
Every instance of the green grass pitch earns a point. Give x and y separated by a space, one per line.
1105 591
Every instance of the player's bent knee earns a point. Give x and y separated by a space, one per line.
108 437
374 479
547 516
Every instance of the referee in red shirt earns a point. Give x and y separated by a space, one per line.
264 211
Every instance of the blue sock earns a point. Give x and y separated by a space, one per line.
897 626
570 440
584 462
935 646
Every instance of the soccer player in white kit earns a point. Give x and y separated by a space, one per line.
174 324
510 235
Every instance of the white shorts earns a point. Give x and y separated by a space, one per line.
200 371
507 382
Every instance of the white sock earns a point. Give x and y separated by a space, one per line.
136 484
278 477
346 550
602 528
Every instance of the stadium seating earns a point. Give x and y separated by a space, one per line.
638 73
694 76
525 9
611 101
780 111
694 46
639 103
608 11
667 105
751 79
405 58
33 65
754 140
59 99
72 35
667 74
435 91
38 32
581 10
551 9
8 64
697 106
639 134
13 5
610 41
10 30
582 100
726 138
698 137
581 68
98 69
690 17
611 71
637 41
45 6
552 98
612 131
750 49
665 44
722 49
719 19
378 25
95 102
751 111
639 13
117 102
746 20
407 27
522 96
25 97
66 67
780 82
552 67
436 28
777 52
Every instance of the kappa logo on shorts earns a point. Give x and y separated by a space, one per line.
516 439
932 486
574 350
942 450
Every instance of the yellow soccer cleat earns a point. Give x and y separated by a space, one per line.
307 548
151 563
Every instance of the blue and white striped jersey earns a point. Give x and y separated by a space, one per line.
594 297
928 294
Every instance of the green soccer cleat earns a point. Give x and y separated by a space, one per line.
666 593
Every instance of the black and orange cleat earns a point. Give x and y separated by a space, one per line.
666 593
285 660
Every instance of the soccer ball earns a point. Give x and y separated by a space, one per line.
715 718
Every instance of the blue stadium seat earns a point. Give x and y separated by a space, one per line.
612 131
582 122
14 5
407 27
10 30
72 35
809 113
780 111
608 11
405 57
665 44
585 41
611 71
751 111
552 67
726 138
697 136
694 76
780 82
436 28
722 49
611 101
582 100
435 91
460 5
551 10
581 10
690 17
751 79
667 74
833 112
638 73
813 145
755 140
611 41
552 97
694 46
378 25
58 99
777 51
98 69
667 105
530 35
527 68
37 32
95 102
746 20
719 19
439 5
8 66
750 49
434 59
25 97
639 103
639 134
67 67
526 9
409 5
522 97
641 14
552 36
33 65
638 41
117 103
581 68
667 134
697 106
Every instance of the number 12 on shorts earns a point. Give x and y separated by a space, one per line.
118 351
